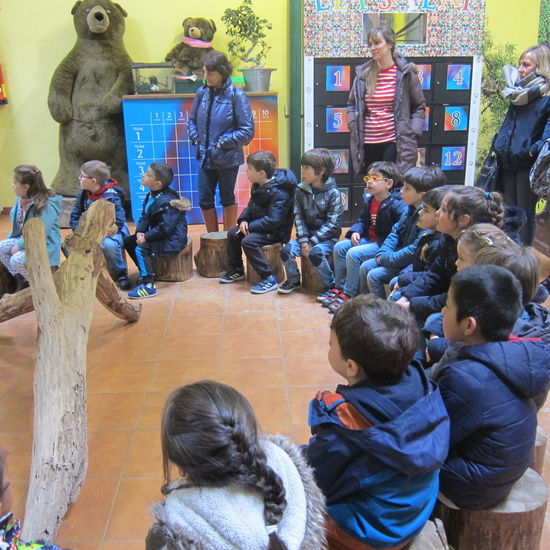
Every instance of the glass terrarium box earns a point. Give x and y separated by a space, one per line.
153 78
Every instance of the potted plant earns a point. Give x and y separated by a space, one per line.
247 32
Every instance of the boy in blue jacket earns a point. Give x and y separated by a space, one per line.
96 183
381 210
491 384
397 250
267 219
162 229
378 442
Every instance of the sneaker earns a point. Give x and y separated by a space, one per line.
267 285
331 296
338 302
287 287
123 282
328 291
148 290
234 274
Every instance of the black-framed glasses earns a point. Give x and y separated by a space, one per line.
83 177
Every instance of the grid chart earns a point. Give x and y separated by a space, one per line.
156 130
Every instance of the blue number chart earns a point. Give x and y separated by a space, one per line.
156 130
336 120
338 78
453 158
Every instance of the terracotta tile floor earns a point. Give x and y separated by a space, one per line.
271 347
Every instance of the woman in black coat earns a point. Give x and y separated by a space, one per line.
524 130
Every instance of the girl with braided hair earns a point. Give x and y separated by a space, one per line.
236 489
33 200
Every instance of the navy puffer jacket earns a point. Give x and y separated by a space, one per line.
490 391
220 124
271 206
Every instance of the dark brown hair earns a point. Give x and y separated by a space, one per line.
482 207
217 61
210 432
96 169
321 160
163 173
28 174
380 336
263 160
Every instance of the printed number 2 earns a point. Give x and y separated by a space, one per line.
457 158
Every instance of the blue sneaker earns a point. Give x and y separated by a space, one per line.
148 290
267 285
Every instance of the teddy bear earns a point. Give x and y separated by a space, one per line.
85 95
187 56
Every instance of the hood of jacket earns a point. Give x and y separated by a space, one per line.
415 439
522 364
285 178
327 185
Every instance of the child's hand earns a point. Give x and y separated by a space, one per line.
306 249
396 286
243 228
355 238
140 238
378 260
404 303
15 249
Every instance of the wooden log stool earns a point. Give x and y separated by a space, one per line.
540 451
271 253
175 268
212 258
310 280
514 523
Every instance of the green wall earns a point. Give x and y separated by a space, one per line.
35 36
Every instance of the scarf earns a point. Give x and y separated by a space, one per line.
522 92
96 195
196 43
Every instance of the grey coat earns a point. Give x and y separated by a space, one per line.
410 112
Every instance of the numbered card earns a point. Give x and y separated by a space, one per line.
453 158
427 120
344 196
336 120
459 77
456 119
425 76
341 160
338 78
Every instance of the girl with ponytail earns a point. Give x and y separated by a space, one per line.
235 489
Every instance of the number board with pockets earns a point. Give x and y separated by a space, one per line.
447 84
156 130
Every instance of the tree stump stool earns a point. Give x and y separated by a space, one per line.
516 522
7 281
540 451
310 279
212 258
67 205
271 253
175 268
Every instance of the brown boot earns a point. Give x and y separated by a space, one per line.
229 216
210 220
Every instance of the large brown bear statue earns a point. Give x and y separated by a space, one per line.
86 92
187 56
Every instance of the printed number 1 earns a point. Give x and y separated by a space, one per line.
337 79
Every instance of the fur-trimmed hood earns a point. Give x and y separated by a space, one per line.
231 517
182 204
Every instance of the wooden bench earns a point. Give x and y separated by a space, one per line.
175 268
271 253
514 523
309 278
212 258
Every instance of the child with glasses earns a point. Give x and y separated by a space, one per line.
381 210
96 183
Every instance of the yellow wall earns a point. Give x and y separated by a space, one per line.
36 36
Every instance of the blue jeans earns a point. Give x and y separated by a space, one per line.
113 248
207 182
317 256
348 260
374 277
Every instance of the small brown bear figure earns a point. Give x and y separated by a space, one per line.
187 56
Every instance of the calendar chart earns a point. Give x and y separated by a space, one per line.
156 130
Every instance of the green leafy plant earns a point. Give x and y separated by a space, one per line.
493 104
248 33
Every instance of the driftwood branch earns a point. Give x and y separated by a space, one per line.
64 311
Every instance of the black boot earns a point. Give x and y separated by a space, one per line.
20 282
122 281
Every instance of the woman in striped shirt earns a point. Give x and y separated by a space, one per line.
386 106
